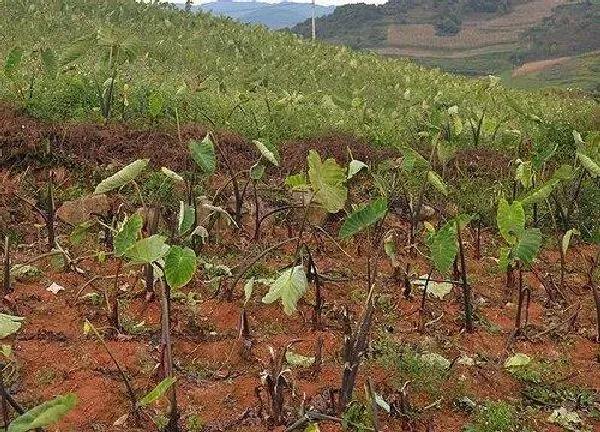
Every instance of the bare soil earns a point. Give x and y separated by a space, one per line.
215 383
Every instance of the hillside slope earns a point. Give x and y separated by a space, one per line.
150 63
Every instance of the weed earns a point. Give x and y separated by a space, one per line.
495 417
357 418
194 423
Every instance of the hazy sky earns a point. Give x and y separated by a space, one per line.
323 2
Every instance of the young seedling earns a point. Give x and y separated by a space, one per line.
523 246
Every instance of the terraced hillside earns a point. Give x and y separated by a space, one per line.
466 41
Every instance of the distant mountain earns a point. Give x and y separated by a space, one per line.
272 15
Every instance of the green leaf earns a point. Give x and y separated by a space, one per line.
248 288
503 261
412 160
328 182
312 427
457 124
49 61
529 245
518 360
591 166
180 266
364 218
381 402
511 220
171 174
80 232
123 177
389 246
294 359
203 153
45 414
268 151
9 325
566 240
296 180
439 289
541 193
290 286
524 174
157 391
128 234
12 61
436 181
443 248
354 167
257 171
186 218
148 250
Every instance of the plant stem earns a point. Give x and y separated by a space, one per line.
423 299
114 319
50 211
593 264
130 392
467 294
6 289
168 353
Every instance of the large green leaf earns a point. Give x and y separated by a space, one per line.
45 414
590 165
203 153
412 160
268 151
443 248
186 218
180 266
511 220
364 218
157 392
9 325
436 181
290 286
128 234
12 61
328 182
541 193
123 177
296 180
148 250
529 245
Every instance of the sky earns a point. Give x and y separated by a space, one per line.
321 2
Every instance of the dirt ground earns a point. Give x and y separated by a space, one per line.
217 387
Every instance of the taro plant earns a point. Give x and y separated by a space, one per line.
446 249
523 245
205 152
39 60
